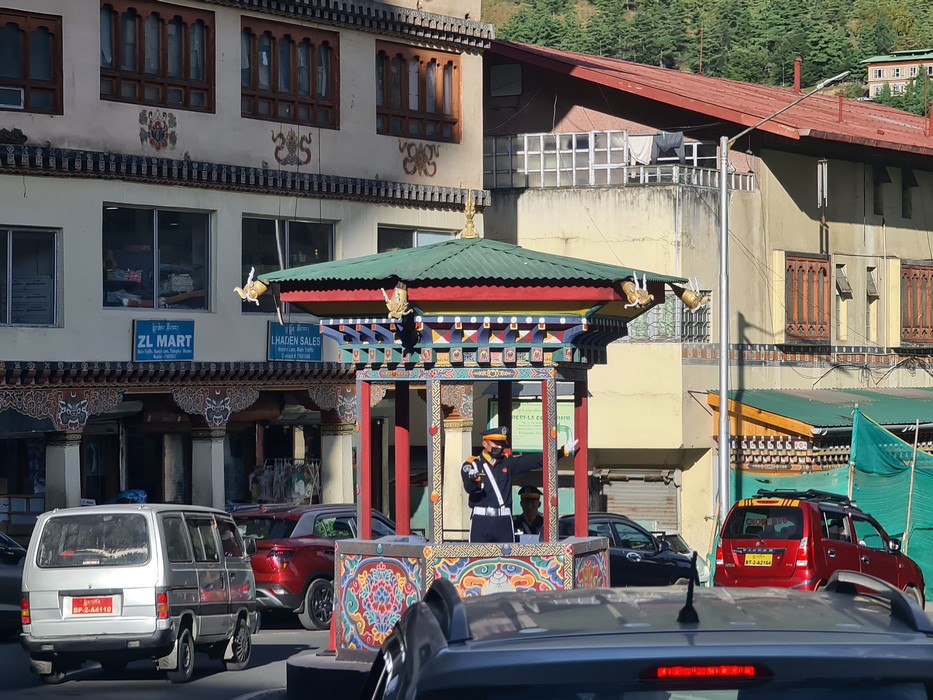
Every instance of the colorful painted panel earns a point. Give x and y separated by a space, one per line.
498 574
374 592
591 570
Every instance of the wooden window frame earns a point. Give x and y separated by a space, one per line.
414 123
27 23
116 76
916 304
807 277
252 96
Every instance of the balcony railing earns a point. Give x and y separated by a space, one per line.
595 159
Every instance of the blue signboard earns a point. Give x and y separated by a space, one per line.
298 342
161 341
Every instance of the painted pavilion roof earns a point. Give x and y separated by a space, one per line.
459 261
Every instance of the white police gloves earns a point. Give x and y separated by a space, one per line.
471 471
570 446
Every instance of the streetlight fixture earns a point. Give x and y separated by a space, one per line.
725 496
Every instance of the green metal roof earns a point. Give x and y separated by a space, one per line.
827 408
462 260
913 54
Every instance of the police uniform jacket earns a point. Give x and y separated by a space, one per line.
482 494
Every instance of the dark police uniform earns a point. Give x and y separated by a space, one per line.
491 519
529 495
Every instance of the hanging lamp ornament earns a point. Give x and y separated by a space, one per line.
469 209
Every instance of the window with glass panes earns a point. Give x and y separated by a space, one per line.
288 73
157 54
28 277
30 62
417 93
391 238
156 258
269 245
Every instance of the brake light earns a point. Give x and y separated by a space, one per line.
718 555
161 605
25 617
803 555
711 672
279 558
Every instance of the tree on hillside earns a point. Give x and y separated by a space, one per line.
914 99
550 23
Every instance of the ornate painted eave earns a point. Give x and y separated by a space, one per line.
377 17
60 162
143 376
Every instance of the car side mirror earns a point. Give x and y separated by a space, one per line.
10 555
251 547
894 545
665 546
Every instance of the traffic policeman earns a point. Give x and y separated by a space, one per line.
487 479
529 521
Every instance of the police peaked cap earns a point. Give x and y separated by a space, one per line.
500 434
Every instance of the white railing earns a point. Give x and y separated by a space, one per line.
595 159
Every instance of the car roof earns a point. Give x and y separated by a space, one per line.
135 508
599 514
290 510
566 636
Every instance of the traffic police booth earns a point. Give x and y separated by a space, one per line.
445 316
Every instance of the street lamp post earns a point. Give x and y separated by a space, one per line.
725 496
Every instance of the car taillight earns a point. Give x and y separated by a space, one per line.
161 605
718 555
717 671
803 556
279 558
24 615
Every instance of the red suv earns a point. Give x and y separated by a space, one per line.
797 539
294 559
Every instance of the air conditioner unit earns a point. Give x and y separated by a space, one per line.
11 97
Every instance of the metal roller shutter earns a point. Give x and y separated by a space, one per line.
649 497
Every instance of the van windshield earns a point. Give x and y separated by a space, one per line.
112 539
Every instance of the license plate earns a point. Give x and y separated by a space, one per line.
97 605
758 559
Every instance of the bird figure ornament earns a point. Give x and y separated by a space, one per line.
252 289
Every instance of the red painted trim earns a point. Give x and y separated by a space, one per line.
462 293
402 459
580 460
364 461
546 447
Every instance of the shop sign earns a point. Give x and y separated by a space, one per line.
162 341
296 342
527 424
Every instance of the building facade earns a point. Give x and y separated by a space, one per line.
897 69
829 267
155 155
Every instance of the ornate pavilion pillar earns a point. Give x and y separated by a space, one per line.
338 433
63 470
457 400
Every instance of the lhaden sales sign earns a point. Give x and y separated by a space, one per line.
296 342
162 341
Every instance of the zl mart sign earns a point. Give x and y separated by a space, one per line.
162 341
295 342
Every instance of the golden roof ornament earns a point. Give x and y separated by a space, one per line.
469 209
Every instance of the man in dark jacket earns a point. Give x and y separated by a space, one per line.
487 479
529 521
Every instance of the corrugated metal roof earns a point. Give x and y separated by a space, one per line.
462 260
830 408
744 104
915 54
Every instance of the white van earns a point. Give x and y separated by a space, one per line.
118 583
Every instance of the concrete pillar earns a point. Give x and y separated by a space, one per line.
458 446
337 479
207 467
63 470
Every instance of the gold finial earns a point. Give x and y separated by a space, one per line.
469 209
